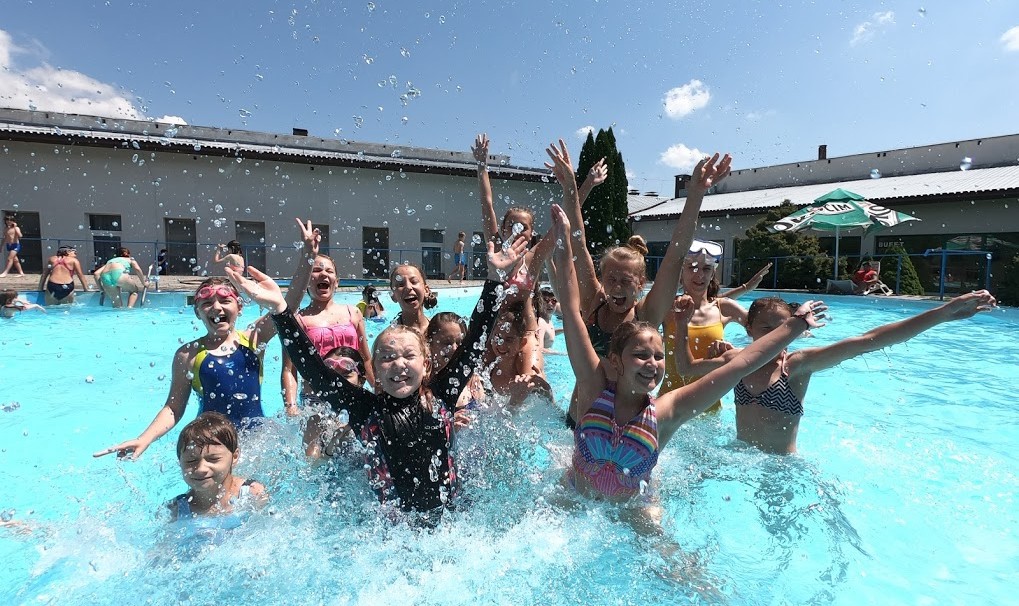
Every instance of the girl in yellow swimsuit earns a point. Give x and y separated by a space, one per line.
712 313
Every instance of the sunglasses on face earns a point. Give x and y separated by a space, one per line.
710 249
219 290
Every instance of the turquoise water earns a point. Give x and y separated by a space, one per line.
903 493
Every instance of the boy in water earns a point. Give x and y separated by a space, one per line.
207 451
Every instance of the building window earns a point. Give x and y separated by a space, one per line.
104 222
431 252
105 236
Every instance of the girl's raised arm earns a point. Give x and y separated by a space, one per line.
586 278
583 358
819 358
680 405
656 304
488 218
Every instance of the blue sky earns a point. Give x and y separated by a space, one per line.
764 81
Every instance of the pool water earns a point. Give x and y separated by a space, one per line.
903 492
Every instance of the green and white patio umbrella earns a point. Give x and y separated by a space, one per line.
838 211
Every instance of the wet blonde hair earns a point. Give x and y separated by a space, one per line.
632 253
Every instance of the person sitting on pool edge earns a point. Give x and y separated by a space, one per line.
769 401
224 367
58 280
207 451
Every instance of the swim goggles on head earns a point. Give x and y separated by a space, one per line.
218 290
711 249
342 365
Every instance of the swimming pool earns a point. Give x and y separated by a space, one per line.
904 490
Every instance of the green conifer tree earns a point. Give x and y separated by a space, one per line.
909 281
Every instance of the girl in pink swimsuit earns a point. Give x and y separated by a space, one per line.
327 323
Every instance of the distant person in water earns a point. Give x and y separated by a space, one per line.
370 305
12 246
11 304
58 280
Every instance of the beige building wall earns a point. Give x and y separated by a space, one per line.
65 183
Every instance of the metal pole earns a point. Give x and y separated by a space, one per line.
987 273
944 260
836 271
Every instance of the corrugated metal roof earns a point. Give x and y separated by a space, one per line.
195 145
885 189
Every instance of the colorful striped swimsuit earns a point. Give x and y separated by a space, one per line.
614 458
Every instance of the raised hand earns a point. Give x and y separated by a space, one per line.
561 166
598 173
812 312
708 172
683 308
969 304
500 261
480 149
718 347
311 236
262 289
755 280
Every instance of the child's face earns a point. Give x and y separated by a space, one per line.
219 311
503 338
322 284
206 469
517 223
766 321
622 286
346 368
697 274
444 343
641 366
409 290
400 365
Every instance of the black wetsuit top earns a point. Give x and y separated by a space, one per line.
408 447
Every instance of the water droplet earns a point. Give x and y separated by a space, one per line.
428 207
369 60
371 6
244 113
966 163
875 173
358 122
442 18
404 51
90 379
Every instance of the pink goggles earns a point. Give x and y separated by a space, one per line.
342 365
218 290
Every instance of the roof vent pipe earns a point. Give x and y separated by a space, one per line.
822 152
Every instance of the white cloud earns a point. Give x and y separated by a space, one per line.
46 88
756 116
685 99
1010 39
681 157
866 31
583 130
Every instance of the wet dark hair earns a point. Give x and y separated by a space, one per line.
518 325
234 247
626 331
764 304
8 296
123 252
208 429
342 351
443 318
431 299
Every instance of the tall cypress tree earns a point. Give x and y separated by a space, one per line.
605 213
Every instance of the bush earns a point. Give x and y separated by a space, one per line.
909 282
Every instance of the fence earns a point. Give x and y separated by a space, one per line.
196 258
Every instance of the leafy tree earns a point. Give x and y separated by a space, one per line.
909 281
605 212
808 266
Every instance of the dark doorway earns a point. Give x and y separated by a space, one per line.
375 256
181 246
31 242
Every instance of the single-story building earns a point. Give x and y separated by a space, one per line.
965 193
100 183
